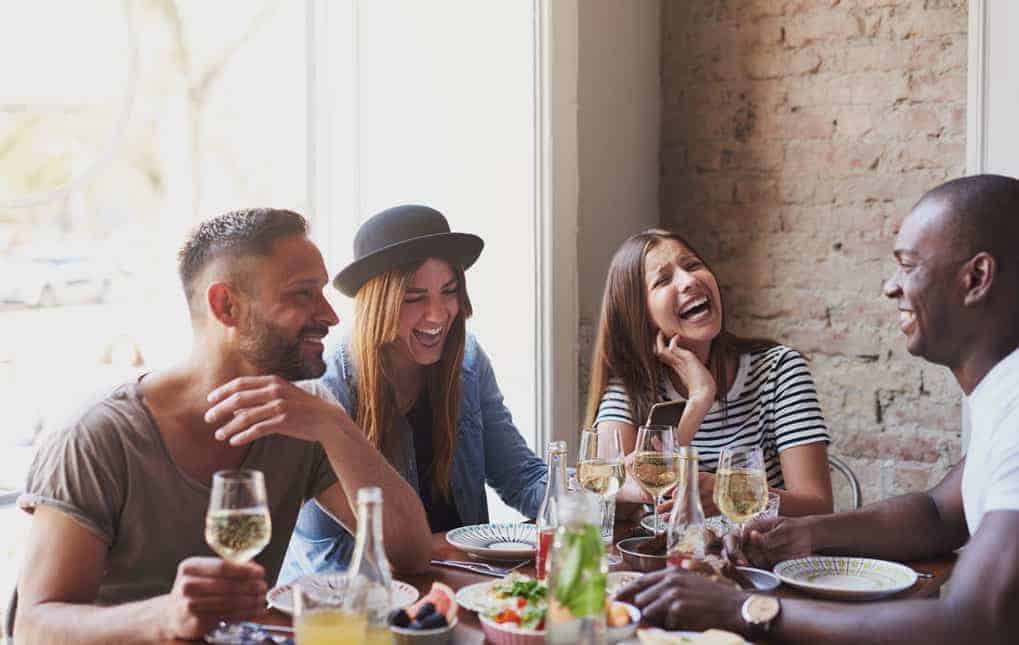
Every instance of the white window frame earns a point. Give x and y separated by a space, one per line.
556 395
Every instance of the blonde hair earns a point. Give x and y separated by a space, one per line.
376 326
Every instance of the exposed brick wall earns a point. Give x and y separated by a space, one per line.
796 135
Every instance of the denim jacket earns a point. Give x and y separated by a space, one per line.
489 448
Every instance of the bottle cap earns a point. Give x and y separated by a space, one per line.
557 447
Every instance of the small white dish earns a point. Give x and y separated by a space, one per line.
504 542
282 597
846 578
472 597
761 579
616 580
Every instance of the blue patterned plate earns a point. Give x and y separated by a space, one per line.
844 578
496 541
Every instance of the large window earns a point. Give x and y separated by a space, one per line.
124 123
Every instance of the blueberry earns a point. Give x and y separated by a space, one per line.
434 621
425 610
399 618
415 624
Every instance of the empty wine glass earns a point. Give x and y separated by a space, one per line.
656 465
237 525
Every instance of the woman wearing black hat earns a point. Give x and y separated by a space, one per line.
421 388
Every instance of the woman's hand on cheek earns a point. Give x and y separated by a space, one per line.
700 385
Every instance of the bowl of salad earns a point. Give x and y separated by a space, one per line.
514 609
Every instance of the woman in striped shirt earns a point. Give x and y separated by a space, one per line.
662 337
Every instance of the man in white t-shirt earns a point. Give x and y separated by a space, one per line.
957 289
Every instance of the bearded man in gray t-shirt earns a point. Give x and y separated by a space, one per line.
116 550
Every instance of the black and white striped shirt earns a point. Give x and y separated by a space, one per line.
772 404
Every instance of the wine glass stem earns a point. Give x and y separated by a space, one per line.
658 519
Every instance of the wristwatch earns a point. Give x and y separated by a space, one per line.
758 612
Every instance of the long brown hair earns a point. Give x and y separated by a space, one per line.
624 346
376 325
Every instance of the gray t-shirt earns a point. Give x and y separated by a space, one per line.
111 472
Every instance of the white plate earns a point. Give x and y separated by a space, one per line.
282 597
472 597
668 635
716 523
616 580
845 578
496 541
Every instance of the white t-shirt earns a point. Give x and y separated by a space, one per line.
990 479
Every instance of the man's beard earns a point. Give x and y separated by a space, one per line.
266 346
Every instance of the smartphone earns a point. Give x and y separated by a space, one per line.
666 413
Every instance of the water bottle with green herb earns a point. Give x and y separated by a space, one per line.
577 572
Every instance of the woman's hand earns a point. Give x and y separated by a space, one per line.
706 488
700 385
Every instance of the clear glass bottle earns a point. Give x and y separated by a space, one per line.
548 513
370 578
686 538
577 574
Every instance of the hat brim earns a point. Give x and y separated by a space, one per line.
461 249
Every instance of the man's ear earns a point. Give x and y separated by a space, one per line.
223 303
978 274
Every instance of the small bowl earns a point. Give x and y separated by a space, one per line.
437 636
623 632
639 561
496 634
761 579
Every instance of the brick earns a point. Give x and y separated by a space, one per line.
791 161
807 28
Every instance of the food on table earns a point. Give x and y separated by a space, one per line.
519 602
436 609
710 637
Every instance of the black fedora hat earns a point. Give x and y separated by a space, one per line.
402 235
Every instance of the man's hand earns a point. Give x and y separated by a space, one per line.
208 590
767 542
251 407
674 599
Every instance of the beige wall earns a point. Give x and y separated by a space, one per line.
619 99
795 136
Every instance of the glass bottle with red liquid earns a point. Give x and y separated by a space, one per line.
548 513
686 522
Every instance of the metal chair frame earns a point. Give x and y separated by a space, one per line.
836 464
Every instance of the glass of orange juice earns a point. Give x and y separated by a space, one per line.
328 617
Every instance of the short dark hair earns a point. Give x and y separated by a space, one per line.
984 211
235 234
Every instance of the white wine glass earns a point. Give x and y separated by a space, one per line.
655 465
600 470
237 525
741 485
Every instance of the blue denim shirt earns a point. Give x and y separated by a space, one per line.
489 448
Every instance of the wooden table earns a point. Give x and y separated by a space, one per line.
468 629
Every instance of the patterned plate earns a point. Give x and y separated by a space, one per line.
496 541
282 597
844 578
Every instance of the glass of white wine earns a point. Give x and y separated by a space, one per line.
655 465
600 470
741 484
328 616
237 525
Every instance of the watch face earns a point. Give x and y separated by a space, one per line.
762 609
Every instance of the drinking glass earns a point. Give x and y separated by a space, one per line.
656 465
741 485
237 524
328 616
600 470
